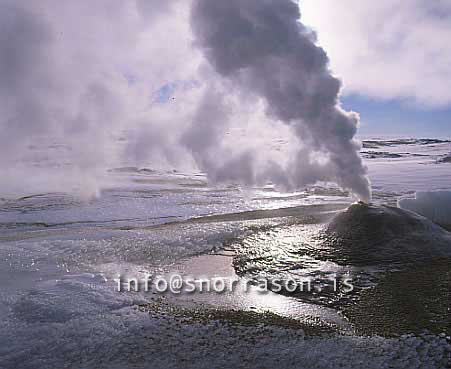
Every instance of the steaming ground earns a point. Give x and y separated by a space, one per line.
58 255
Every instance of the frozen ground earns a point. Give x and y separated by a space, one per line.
128 339
59 254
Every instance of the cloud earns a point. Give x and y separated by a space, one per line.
387 49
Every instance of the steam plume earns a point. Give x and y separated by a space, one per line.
260 46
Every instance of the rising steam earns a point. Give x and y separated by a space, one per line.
263 50
208 83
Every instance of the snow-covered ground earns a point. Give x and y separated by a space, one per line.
59 254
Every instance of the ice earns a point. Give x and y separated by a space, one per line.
435 206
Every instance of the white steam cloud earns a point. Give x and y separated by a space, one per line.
263 51
204 83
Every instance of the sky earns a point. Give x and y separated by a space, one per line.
398 118
393 58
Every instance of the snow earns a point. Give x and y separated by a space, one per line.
127 338
58 311
435 205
